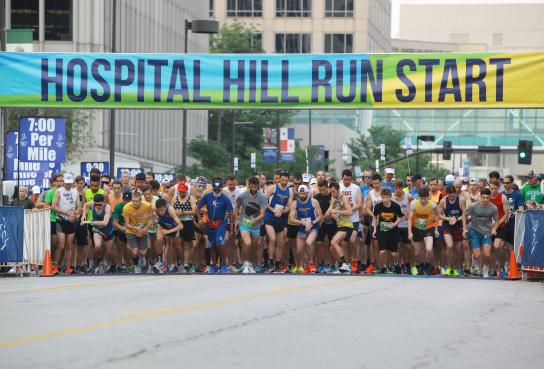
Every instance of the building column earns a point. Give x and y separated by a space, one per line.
41 24
8 14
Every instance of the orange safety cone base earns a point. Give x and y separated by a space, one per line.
513 272
47 265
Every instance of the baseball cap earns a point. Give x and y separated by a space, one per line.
217 184
182 187
98 198
531 174
416 177
201 181
473 181
449 179
303 189
313 181
127 196
389 171
68 178
36 189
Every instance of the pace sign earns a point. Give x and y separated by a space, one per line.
42 139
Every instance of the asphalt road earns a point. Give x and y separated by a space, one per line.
269 321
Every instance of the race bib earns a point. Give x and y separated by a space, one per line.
306 220
421 224
278 207
384 226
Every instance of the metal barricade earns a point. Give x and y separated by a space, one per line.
37 236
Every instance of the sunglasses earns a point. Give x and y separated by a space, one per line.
98 203
507 183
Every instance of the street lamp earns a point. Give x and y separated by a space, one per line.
196 26
233 142
424 138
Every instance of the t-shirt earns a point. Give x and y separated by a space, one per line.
114 201
515 200
386 215
118 213
389 185
481 217
49 200
533 193
251 207
217 206
351 193
89 196
25 203
365 190
136 217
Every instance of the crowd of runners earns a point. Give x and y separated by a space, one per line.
289 223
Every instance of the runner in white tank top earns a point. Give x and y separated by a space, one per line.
353 193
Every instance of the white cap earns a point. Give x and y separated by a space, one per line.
303 189
389 171
36 189
68 178
313 181
449 179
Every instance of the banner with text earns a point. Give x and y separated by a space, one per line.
234 81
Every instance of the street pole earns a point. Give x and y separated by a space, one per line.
417 157
277 139
184 112
3 111
233 145
112 111
310 128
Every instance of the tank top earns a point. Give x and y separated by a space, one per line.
351 193
453 210
183 206
278 200
375 198
497 201
67 201
89 196
423 215
404 208
108 229
306 211
342 220
166 221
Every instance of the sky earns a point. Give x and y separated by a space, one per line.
396 7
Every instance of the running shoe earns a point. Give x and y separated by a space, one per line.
181 269
320 268
334 270
361 268
224 268
245 268
137 270
157 267
187 268
493 273
234 269
435 271
390 271
327 269
454 273
130 269
259 269
466 272
485 271
109 270
447 271
383 270
370 269
55 270
306 270
301 269
164 269
69 270
193 269
443 271
502 274
172 269
251 269
212 269
398 269
344 268
199 269
354 266
414 270
313 269
476 272
121 269
284 268
294 269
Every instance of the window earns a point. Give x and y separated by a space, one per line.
339 8
497 39
338 43
293 43
244 8
293 8
58 20
459 38
256 41
211 8
25 14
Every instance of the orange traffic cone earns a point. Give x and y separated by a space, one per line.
47 265
513 272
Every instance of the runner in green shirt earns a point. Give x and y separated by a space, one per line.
532 190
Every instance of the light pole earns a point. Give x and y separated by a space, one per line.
233 142
424 138
196 26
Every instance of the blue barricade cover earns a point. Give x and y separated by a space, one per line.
533 240
11 234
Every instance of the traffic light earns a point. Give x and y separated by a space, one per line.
525 152
446 153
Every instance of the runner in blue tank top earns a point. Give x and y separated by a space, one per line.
275 217
102 224
169 226
305 212
451 210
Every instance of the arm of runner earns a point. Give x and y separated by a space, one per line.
178 226
347 206
399 218
293 214
358 200
368 205
496 223
289 202
441 213
506 210
318 212
436 222
55 204
410 212
374 222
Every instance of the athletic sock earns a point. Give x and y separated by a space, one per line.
342 260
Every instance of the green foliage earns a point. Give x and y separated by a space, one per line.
78 136
367 150
235 37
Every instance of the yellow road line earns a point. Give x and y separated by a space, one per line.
82 285
173 310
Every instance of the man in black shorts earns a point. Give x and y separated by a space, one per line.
327 229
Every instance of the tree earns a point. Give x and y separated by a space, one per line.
78 136
235 38
367 150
